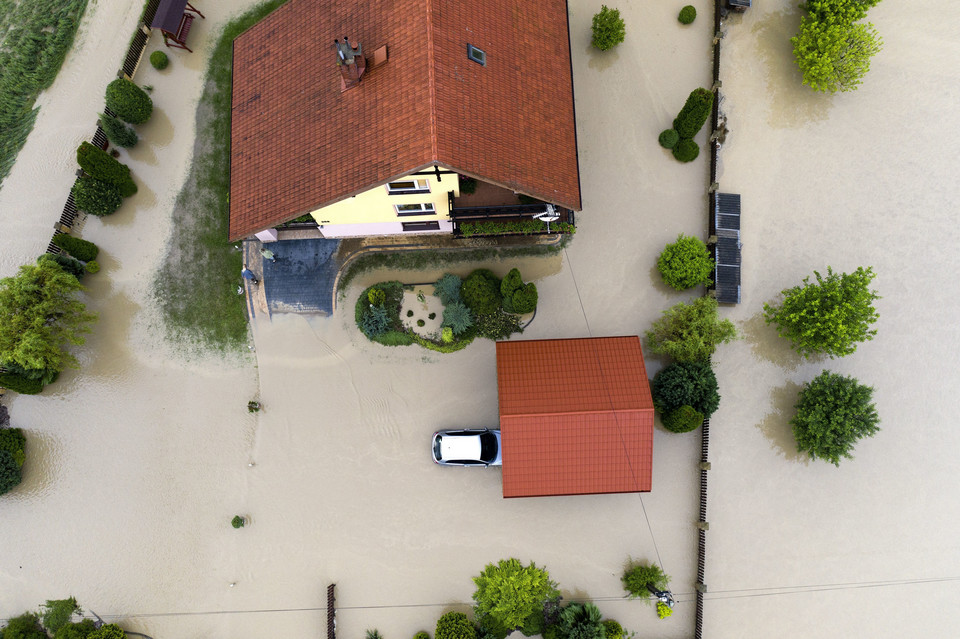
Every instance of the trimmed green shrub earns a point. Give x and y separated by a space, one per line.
10 473
67 263
238 521
446 334
20 384
669 138
128 101
525 299
510 283
609 29
612 629
682 420
685 263
455 625
686 150
159 60
118 132
447 288
481 292
98 164
92 266
423 634
375 321
581 621
80 249
394 338
376 297
13 441
26 626
457 317
79 630
96 197
687 15
636 578
421 323
520 227
694 113
686 384
498 325
432 316
663 610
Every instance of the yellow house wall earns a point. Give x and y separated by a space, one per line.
376 205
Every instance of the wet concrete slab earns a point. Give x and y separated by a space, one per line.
302 277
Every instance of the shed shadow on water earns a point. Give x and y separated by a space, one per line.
792 103
601 60
775 426
767 345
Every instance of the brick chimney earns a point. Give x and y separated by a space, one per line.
350 62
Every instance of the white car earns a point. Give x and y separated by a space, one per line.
467 447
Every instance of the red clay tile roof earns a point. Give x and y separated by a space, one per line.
576 416
298 143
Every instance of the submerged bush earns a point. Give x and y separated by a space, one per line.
118 132
686 150
686 384
128 101
694 113
481 292
687 15
669 138
96 197
682 420
26 626
375 321
447 288
376 296
12 456
525 299
92 266
612 629
98 164
78 248
636 579
457 317
609 29
67 263
685 263
159 60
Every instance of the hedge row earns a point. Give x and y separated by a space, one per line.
98 164
78 248
524 227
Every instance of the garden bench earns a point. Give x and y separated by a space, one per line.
174 19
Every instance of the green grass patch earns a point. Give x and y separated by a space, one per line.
197 288
35 37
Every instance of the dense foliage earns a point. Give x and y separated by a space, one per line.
455 625
481 292
686 384
690 332
109 631
26 626
669 138
518 297
687 14
685 263
67 263
11 473
375 322
636 579
118 132
40 315
612 629
376 296
20 384
76 630
128 101
686 150
832 48
581 621
509 593
447 288
833 413
159 60
96 197
682 420
457 317
608 27
518 227
99 164
36 37
58 612
78 248
694 113
497 325
830 316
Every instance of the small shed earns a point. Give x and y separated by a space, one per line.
174 19
576 417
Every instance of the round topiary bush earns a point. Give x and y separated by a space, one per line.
159 60
421 323
432 316
481 292
238 521
409 313
376 296
682 420
98 164
669 138
612 629
686 150
129 101
92 266
687 15
685 263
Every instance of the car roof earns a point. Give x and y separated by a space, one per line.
459 447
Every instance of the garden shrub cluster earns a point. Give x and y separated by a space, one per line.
519 227
688 122
78 248
608 27
687 14
12 456
685 263
686 384
118 132
128 101
98 164
159 60
612 629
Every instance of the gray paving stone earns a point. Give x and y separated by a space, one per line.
301 280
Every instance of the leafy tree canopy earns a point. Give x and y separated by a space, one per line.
508 593
608 27
831 316
833 413
685 263
691 332
40 315
832 49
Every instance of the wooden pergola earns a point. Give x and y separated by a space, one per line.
174 18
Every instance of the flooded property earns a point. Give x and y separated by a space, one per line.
138 461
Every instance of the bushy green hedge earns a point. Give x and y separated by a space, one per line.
12 456
669 138
78 248
685 263
481 292
694 113
118 132
686 384
682 420
96 197
159 60
26 626
686 150
687 15
67 263
525 298
98 164
520 227
609 29
77 630
636 578
129 101
20 384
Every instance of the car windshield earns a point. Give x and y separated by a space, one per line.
488 447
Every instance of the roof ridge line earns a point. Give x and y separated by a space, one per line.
432 83
578 412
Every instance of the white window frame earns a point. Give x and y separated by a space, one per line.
422 186
426 208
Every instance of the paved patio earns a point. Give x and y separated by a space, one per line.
301 279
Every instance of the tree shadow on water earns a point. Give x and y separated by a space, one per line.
767 345
776 427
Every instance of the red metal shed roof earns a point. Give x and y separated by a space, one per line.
298 143
576 416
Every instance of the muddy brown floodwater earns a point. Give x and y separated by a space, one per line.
138 461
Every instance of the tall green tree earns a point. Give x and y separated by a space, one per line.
40 315
509 595
691 332
833 413
830 316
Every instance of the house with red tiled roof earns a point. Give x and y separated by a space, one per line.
576 417
374 118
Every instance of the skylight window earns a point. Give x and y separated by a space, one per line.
477 55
